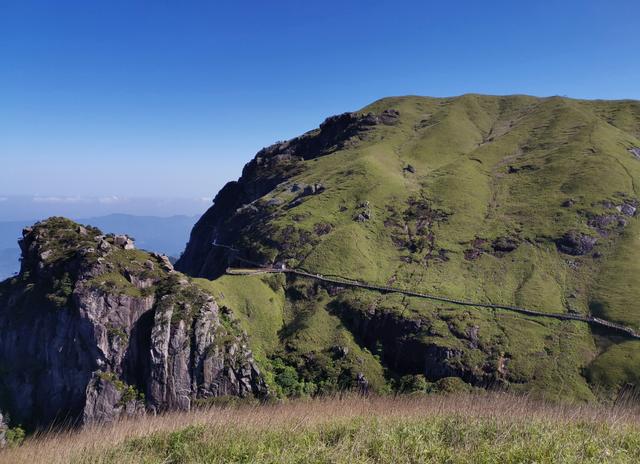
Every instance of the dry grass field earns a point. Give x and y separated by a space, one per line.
487 428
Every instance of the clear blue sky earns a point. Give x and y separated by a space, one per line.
168 98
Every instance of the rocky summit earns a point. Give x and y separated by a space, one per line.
92 330
514 201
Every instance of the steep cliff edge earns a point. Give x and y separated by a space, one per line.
92 329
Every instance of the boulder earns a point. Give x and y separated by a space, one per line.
575 243
313 189
362 217
104 245
165 263
341 351
389 117
628 209
124 242
505 244
604 224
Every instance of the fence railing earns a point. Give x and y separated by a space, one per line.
347 282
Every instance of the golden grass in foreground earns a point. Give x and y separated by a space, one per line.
496 428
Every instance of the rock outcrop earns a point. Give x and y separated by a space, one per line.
575 243
3 431
93 330
409 347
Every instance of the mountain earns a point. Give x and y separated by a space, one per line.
513 200
417 245
160 234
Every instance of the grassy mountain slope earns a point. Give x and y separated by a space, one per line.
514 200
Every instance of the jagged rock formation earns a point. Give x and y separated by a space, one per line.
92 329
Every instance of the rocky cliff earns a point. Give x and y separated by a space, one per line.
93 329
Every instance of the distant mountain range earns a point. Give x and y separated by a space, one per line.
166 235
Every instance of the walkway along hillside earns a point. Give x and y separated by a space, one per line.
594 321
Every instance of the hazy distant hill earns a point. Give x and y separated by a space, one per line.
166 235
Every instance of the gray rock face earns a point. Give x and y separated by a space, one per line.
575 243
124 242
108 399
159 343
3 431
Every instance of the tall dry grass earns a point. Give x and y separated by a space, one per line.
290 417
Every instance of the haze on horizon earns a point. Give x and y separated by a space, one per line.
175 102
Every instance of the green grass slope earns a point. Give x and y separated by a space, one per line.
513 200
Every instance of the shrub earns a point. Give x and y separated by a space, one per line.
15 436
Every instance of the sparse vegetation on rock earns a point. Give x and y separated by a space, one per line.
91 333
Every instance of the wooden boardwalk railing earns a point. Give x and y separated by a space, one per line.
594 321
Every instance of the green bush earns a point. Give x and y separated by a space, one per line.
15 436
413 384
288 381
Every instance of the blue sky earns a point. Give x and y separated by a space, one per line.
170 99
